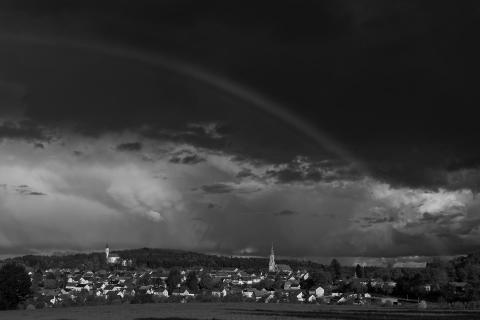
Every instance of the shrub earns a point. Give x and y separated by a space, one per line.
422 305
14 285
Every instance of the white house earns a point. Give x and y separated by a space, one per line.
113 258
300 297
248 293
219 293
318 292
182 293
161 293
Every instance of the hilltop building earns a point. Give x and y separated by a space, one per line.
115 258
111 258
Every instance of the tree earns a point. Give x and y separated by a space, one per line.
206 282
317 278
14 285
173 280
359 271
192 282
336 269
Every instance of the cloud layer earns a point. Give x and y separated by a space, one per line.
111 140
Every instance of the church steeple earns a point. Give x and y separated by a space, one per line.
271 264
107 251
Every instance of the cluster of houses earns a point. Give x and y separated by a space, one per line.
123 284
60 285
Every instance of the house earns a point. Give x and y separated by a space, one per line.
317 292
126 263
283 268
113 258
248 293
269 298
161 292
291 285
458 286
258 294
427 287
304 276
183 292
65 291
219 293
376 283
55 300
300 296
389 301
146 289
108 288
70 286
79 287
312 299
247 280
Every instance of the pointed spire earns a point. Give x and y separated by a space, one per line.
271 263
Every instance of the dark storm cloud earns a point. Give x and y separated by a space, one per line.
26 130
440 219
287 175
180 111
370 221
428 244
130 146
398 94
212 129
27 191
36 193
303 170
217 188
285 212
223 188
186 157
245 173
190 159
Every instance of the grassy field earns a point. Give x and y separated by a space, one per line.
235 311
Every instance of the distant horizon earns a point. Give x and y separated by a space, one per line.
408 261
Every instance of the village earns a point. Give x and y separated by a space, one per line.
124 283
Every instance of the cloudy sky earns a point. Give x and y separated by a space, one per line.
332 128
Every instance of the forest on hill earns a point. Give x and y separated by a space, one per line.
156 258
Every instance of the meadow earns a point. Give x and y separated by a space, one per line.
237 311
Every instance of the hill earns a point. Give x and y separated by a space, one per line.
155 258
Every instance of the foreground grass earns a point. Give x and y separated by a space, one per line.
234 311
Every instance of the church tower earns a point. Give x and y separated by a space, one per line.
107 251
271 264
